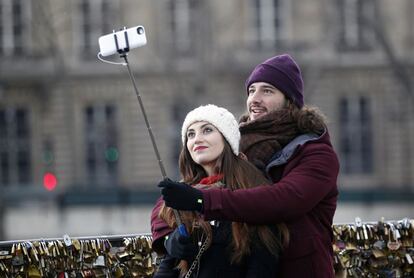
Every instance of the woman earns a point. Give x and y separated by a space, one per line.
210 158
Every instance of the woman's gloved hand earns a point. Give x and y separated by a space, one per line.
181 196
180 247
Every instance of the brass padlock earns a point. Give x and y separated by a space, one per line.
118 273
33 272
99 273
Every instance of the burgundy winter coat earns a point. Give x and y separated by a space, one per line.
159 228
304 197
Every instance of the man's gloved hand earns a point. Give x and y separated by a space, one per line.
178 195
179 246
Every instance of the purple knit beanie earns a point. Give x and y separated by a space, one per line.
282 72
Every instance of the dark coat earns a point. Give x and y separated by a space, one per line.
303 196
215 262
159 228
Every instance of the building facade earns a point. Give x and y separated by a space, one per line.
72 124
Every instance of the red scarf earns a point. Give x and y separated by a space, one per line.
211 179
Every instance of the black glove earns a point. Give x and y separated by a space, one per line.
179 195
179 246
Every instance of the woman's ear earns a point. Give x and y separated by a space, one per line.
242 156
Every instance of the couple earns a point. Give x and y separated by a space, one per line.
267 215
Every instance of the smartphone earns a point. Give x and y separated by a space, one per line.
132 37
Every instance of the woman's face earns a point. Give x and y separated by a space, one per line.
205 144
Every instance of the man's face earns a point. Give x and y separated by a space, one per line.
262 99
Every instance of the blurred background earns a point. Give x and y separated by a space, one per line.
75 155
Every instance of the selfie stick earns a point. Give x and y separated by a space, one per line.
123 54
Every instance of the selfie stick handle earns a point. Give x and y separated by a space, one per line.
181 226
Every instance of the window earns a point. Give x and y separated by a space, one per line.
14 18
15 152
267 23
97 19
182 24
356 19
356 135
101 154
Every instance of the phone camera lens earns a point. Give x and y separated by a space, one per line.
140 30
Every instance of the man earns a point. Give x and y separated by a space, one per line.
290 143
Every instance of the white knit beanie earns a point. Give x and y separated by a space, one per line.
221 118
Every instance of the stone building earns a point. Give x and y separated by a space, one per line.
65 113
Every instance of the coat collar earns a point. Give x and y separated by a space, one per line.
282 157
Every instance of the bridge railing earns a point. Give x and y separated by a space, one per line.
381 249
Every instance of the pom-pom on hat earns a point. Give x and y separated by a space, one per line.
283 73
219 117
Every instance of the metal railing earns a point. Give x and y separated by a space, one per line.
377 248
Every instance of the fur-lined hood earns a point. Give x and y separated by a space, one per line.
311 120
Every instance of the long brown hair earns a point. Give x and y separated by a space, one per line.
237 174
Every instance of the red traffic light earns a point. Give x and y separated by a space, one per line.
50 181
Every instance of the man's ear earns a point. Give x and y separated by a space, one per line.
243 156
